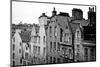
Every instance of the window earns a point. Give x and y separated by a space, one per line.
14 39
19 50
13 47
50 59
38 50
50 46
54 60
78 45
26 55
24 62
13 63
54 45
44 40
26 47
44 50
78 35
92 54
66 27
70 53
58 59
35 39
13 55
50 31
20 61
39 40
78 48
58 47
20 43
86 54
61 33
34 49
68 37
55 32
78 57
63 50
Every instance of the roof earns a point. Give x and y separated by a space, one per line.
64 14
75 9
25 36
82 22
74 26
43 15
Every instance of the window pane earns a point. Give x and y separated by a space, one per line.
13 55
13 47
54 45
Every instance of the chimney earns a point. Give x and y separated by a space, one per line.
54 12
92 15
77 14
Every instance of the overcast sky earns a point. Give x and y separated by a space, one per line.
29 12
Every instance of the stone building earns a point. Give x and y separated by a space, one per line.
43 21
89 43
16 49
35 45
59 39
77 39
26 47
87 35
20 48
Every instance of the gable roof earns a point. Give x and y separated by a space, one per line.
74 26
25 36
35 30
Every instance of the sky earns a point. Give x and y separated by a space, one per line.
27 12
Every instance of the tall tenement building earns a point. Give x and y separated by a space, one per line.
59 39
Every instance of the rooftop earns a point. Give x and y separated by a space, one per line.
25 36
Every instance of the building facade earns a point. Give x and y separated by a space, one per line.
59 39
56 39
16 49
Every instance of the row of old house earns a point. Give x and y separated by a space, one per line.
56 39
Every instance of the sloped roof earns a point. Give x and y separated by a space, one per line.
25 36
62 21
82 22
43 15
74 26
35 30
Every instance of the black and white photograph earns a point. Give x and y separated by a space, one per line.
44 33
